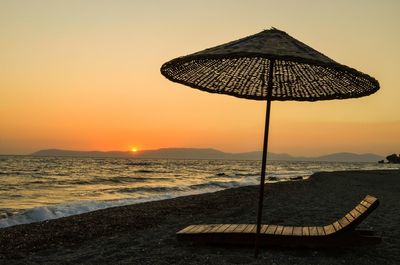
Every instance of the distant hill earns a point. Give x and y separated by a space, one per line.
208 153
72 153
350 157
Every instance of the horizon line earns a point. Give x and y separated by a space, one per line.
199 148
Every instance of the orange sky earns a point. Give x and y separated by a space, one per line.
85 75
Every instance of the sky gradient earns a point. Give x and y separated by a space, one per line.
85 75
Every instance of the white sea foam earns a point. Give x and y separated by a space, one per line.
39 214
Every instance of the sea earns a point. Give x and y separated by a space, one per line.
34 189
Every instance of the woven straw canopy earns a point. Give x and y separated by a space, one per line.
240 68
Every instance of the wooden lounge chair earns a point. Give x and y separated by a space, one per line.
341 232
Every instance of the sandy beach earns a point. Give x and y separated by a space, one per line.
145 233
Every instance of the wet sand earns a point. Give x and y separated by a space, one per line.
145 233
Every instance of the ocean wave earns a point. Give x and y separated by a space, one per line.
14 173
248 174
220 184
52 212
145 171
273 179
6 213
40 182
146 190
221 175
37 182
39 214
80 182
141 164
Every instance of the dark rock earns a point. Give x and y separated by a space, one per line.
394 159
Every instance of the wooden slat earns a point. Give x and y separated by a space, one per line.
222 228
186 229
279 230
240 228
287 230
370 199
343 222
365 204
349 217
206 228
320 231
313 231
355 213
249 228
306 231
194 229
210 227
360 208
254 229
199 229
215 228
329 229
231 228
337 225
271 229
297 231
263 229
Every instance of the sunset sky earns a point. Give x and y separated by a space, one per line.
85 75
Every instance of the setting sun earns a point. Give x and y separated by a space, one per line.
134 149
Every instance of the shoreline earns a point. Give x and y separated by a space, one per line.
149 228
10 217
52 211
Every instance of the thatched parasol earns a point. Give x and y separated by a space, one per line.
270 65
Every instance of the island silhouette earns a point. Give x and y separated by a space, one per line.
208 153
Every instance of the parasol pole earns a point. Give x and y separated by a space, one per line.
264 156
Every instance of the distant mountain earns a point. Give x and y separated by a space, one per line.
182 153
72 153
350 157
208 153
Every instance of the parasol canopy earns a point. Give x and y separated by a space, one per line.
270 65
240 68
